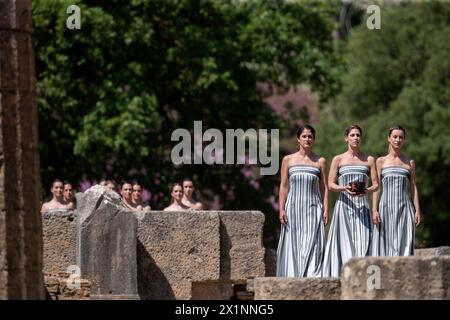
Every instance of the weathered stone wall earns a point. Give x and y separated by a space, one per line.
196 254
432 252
180 255
241 250
59 232
270 261
414 278
174 249
57 288
20 222
277 288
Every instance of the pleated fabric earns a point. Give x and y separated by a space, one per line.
351 225
395 234
301 243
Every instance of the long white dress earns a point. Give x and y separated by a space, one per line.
395 234
351 225
301 243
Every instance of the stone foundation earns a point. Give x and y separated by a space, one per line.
58 288
412 278
276 288
59 231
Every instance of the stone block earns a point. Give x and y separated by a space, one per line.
174 250
413 278
241 249
58 289
270 261
106 243
212 290
432 252
281 288
59 231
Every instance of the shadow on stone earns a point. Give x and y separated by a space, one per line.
152 283
225 247
270 261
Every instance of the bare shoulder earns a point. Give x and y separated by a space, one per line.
287 158
322 161
199 206
44 207
370 159
380 160
337 159
411 162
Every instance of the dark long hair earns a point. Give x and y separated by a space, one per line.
308 127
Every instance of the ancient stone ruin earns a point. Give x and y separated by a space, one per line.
208 255
104 251
20 220
155 255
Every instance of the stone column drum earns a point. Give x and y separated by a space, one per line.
20 221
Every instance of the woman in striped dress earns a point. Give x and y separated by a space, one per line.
394 214
303 200
351 227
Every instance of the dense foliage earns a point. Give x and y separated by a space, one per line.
111 94
401 75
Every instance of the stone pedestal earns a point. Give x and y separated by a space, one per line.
106 244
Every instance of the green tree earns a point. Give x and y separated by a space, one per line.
111 94
401 75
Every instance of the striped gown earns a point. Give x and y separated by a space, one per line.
351 225
395 235
300 248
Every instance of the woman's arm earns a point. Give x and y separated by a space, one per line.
332 176
324 188
373 175
284 188
375 214
415 192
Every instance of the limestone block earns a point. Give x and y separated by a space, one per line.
396 278
212 290
432 252
277 288
58 289
174 250
242 252
106 241
60 240
270 261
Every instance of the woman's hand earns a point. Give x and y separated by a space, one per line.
361 194
325 217
417 218
376 218
348 190
283 217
